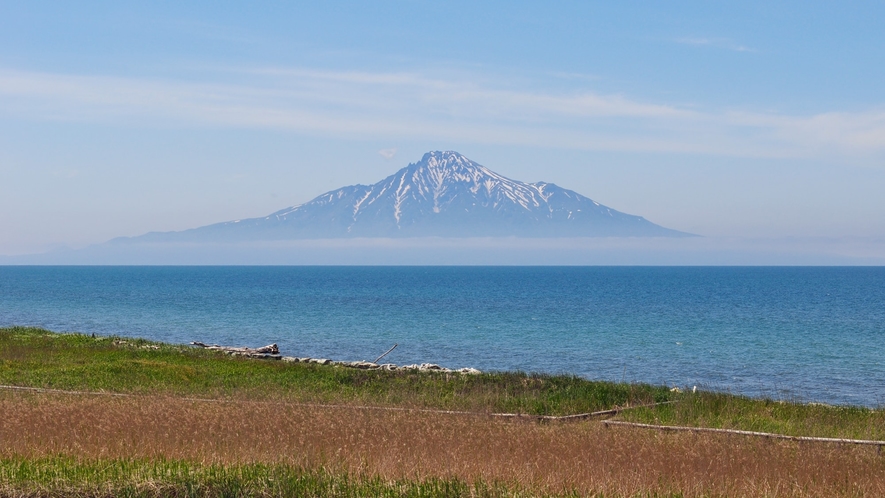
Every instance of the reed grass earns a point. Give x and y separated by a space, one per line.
59 476
415 448
254 431
728 411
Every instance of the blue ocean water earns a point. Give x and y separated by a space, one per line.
811 334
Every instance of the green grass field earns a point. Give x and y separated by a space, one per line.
160 478
38 358
163 377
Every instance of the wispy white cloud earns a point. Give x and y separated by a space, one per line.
398 105
206 30
722 43
387 153
575 76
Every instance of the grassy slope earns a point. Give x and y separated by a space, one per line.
39 358
706 409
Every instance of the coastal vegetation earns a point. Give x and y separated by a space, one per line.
111 416
38 358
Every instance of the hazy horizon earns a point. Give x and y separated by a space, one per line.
759 127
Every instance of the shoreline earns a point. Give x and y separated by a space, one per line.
795 334
144 409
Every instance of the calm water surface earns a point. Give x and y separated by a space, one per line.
789 333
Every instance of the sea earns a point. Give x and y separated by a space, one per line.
809 334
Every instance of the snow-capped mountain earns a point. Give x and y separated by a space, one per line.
443 194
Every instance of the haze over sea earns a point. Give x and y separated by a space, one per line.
797 333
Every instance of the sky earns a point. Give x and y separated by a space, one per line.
739 120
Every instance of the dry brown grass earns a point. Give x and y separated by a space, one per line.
546 457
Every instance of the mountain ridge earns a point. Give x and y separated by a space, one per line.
444 194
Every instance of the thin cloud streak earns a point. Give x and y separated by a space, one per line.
396 105
387 153
722 43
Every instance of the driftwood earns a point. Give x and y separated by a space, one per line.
385 353
270 351
577 416
677 428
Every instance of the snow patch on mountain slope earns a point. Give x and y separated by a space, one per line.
447 194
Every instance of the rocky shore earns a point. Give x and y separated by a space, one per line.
368 365
272 352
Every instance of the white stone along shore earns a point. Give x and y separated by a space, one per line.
272 352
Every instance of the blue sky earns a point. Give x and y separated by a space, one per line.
744 119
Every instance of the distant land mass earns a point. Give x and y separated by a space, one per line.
445 194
